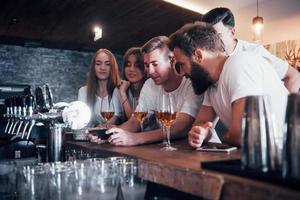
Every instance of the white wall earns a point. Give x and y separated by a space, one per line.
281 20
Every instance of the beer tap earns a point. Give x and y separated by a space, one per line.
18 115
29 100
8 106
14 113
23 113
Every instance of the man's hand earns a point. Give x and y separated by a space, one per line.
198 134
121 137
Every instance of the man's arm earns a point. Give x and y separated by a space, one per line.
234 135
200 132
205 114
123 137
131 125
292 80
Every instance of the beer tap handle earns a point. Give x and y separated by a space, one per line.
18 113
49 97
29 104
19 127
11 126
7 125
23 105
24 129
14 127
30 129
7 105
13 113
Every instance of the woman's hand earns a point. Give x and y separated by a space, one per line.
123 87
198 134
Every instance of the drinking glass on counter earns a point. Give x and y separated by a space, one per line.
133 187
140 112
107 111
167 117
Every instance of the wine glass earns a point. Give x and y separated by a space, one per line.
158 117
167 117
107 111
140 113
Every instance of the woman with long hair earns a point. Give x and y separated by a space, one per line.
101 89
135 75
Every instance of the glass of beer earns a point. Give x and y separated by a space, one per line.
107 111
167 117
140 113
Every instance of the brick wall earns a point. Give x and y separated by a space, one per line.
63 70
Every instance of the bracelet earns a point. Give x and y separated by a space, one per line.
124 101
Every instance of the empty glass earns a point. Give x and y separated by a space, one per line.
133 187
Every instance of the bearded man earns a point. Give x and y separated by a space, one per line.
226 81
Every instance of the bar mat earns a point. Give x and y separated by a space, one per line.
234 167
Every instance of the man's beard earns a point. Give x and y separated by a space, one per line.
200 78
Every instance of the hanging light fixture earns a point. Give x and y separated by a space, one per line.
258 25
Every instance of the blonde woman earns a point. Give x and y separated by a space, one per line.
101 89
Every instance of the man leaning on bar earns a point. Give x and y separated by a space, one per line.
158 60
226 81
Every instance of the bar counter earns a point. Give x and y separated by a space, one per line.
182 171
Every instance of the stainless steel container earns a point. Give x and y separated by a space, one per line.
259 150
291 149
55 142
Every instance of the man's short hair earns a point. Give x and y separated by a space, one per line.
159 42
217 15
196 35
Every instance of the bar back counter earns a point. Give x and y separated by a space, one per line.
182 171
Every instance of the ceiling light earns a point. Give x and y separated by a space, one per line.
97 33
258 25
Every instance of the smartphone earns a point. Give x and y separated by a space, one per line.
216 147
100 133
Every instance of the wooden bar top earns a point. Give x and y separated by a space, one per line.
181 170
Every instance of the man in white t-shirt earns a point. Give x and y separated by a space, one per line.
227 81
158 60
223 22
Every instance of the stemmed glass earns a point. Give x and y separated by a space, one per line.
167 117
158 115
140 112
107 111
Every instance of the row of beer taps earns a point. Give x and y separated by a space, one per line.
23 112
19 110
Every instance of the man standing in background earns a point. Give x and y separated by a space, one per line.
223 22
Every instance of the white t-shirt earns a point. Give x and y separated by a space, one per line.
102 103
245 74
280 65
186 100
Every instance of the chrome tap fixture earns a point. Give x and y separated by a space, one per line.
8 106
13 115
